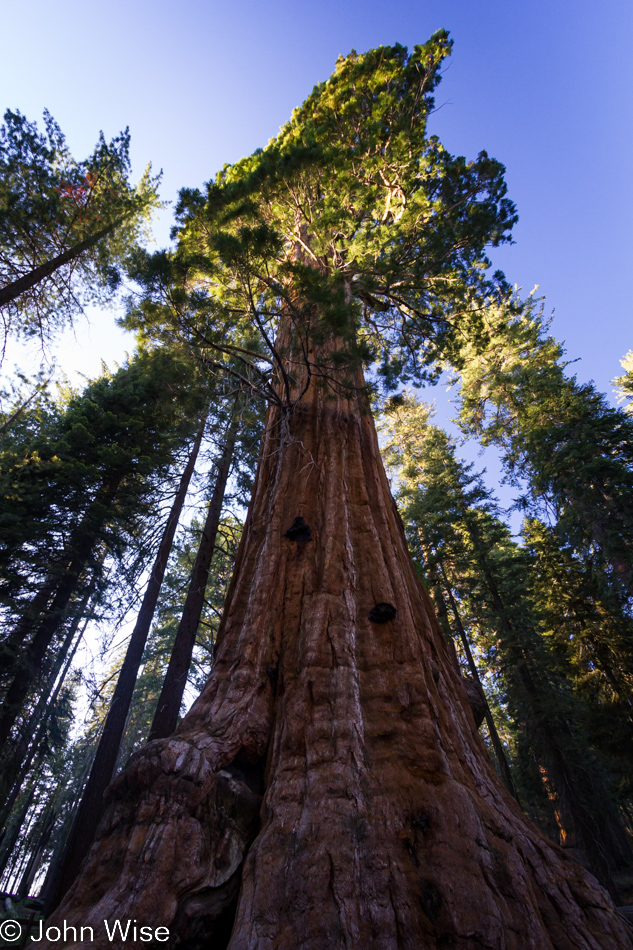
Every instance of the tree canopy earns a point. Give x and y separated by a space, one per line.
66 225
353 210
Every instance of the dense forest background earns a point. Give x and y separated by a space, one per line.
123 494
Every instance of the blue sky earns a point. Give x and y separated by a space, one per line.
544 86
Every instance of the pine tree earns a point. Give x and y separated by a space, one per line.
106 754
170 699
162 636
625 382
591 637
113 447
28 830
182 648
66 226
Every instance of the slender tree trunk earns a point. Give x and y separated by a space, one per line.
36 740
12 764
584 813
437 596
34 610
17 287
330 772
502 762
13 829
170 699
29 669
36 856
49 886
91 806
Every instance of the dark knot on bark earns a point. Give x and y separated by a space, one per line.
382 613
299 531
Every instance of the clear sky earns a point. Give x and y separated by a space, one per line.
545 86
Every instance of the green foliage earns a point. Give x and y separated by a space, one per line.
55 458
560 440
49 203
531 619
590 636
353 222
83 502
48 795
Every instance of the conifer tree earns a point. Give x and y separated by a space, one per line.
560 440
112 448
67 227
90 808
170 699
30 823
590 637
452 520
625 382
182 649
158 650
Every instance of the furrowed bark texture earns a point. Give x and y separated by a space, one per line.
331 762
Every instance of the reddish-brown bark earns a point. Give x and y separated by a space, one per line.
331 763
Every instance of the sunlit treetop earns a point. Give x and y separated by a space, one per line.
353 208
66 225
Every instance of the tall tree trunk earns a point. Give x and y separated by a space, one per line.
18 287
33 611
82 545
584 812
12 832
170 699
68 798
36 856
11 765
330 771
91 806
502 762
23 757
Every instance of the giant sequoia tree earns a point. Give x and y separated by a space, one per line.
329 788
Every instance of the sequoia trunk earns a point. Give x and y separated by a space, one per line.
330 772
